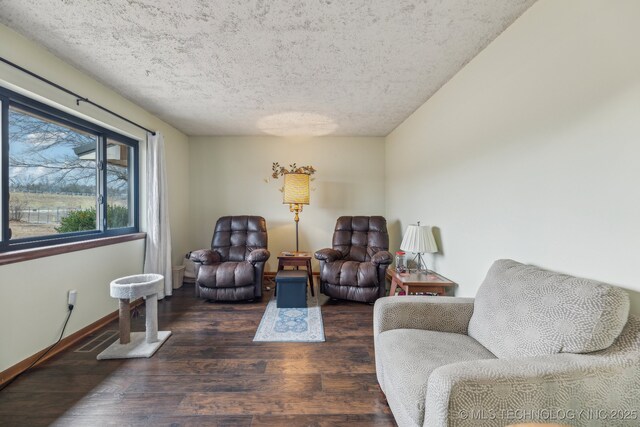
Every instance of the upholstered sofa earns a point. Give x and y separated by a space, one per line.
533 346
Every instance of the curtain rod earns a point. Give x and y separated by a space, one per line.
79 98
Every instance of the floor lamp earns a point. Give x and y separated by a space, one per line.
296 194
419 239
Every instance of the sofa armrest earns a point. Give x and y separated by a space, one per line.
328 255
258 255
574 388
441 314
205 256
381 258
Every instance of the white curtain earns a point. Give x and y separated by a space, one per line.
157 257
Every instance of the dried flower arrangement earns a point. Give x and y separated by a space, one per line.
279 171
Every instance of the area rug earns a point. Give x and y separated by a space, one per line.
291 324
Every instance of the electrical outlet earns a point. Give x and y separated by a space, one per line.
71 299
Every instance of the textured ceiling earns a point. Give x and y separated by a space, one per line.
251 67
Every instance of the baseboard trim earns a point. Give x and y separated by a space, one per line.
15 370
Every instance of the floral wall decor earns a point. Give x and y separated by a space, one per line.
278 171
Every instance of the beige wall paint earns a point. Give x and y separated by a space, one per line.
33 301
33 294
532 151
228 178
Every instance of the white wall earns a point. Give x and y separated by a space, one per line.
532 151
33 294
228 178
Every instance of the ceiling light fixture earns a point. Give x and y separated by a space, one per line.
294 123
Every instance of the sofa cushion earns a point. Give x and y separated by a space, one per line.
226 275
522 310
410 355
235 236
350 273
358 238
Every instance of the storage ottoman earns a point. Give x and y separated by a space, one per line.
291 291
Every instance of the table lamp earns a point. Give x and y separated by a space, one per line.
419 239
296 194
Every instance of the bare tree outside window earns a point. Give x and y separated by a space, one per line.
54 176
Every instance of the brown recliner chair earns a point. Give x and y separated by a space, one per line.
356 266
232 269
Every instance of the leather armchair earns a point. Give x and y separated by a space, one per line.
232 269
356 266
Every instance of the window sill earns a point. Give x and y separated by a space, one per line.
29 254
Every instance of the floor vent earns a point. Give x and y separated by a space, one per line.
97 341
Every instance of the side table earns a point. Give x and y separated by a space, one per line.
419 282
297 259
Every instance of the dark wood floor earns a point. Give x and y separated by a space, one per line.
211 373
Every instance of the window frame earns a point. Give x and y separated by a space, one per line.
10 98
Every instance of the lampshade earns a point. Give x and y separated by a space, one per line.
296 188
419 239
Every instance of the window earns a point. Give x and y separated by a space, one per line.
63 179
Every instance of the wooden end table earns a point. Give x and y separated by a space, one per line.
297 259
419 282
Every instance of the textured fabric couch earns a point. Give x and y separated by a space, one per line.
232 269
534 345
355 268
